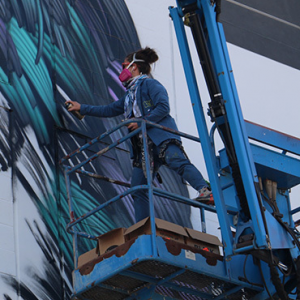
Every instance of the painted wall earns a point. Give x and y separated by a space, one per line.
51 51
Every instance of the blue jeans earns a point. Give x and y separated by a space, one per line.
176 160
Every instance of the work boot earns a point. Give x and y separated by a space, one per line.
205 196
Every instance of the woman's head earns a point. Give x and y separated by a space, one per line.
144 58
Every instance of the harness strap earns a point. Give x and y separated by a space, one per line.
164 146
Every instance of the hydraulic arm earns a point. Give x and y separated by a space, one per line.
253 222
211 47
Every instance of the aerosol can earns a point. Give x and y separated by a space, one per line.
76 113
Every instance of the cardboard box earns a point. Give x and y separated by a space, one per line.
164 229
86 257
203 241
110 240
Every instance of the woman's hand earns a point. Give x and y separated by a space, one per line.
133 126
75 106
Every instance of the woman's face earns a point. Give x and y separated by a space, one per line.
130 70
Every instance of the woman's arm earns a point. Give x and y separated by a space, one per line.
105 111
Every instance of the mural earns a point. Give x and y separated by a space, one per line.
51 51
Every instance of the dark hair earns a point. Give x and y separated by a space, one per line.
148 55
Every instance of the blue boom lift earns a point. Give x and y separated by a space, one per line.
250 184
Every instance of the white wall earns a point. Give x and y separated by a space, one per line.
268 90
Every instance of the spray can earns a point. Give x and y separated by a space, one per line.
76 113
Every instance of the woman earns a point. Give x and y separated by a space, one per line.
146 98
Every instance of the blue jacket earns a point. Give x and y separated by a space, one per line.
153 102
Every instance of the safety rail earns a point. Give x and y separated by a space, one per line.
271 137
141 130
286 143
265 136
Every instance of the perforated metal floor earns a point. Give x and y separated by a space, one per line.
169 283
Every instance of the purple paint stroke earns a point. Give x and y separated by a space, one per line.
116 65
104 16
112 94
115 77
89 21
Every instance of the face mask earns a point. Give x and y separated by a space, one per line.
125 75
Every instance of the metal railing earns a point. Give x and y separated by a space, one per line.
152 190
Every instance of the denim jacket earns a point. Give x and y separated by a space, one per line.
153 101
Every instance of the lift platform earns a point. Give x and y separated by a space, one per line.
172 271
153 267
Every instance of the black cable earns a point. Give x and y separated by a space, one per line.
218 10
290 231
263 278
217 107
278 218
256 186
297 263
269 202
245 276
228 145
274 273
276 213
277 283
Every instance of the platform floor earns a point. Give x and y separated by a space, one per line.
132 271
186 286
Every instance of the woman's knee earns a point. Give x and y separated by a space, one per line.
175 156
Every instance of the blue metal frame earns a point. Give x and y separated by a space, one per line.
220 57
148 250
68 170
209 156
142 249
268 233
152 247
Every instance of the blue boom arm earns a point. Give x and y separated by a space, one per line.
263 221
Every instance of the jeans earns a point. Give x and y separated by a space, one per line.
176 160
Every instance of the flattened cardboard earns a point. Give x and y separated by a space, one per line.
86 257
203 241
164 229
110 240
